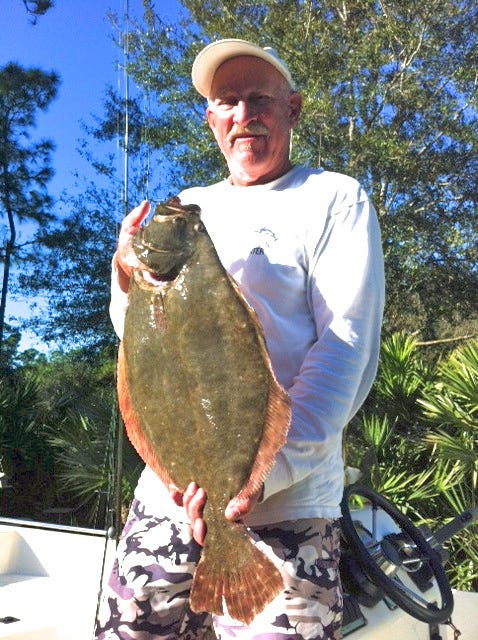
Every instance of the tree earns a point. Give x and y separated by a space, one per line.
384 101
24 166
73 271
36 8
390 97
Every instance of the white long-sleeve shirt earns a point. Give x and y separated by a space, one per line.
305 250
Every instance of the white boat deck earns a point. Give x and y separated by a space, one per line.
383 624
50 579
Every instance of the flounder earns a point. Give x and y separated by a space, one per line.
199 398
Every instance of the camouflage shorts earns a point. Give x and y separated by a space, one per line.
147 594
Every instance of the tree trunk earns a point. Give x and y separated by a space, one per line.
9 250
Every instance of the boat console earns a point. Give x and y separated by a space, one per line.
392 573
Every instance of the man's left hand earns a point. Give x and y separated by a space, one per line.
194 500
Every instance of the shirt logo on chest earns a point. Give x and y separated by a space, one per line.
266 238
257 251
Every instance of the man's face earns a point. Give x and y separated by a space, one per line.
251 113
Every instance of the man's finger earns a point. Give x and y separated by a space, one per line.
240 506
132 222
194 504
199 531
189 494
176 494
236 509
125 257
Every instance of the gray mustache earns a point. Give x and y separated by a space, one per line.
251 130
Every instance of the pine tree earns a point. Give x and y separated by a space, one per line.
24 165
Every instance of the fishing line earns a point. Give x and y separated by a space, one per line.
146 141
113 461
117 424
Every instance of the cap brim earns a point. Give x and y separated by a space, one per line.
213 55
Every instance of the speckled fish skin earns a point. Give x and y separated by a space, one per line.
199 399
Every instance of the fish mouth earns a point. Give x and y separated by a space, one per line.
153 248
174 209
169 218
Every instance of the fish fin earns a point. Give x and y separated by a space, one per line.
217 591
245 586
274 436
278 414
133 428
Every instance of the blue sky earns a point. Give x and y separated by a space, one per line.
76 39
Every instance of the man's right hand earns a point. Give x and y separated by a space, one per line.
193 500
125 257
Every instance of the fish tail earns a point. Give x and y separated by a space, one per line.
241 577
207 590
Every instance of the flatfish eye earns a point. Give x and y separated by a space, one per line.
193 208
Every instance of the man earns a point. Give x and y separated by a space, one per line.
304 246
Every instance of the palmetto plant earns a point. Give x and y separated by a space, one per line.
26 456
85 452
451 408
58 434
415 441
83 457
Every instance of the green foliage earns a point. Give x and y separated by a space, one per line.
451 408
58 438
24 167
401 378
84 449
11 341
25 456
389 97
73 272
454 403
416 441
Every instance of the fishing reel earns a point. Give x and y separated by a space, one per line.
385 556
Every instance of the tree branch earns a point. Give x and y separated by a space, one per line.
429 343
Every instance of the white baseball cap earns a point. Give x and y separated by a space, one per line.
213 55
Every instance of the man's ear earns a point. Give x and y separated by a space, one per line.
211 118
295 107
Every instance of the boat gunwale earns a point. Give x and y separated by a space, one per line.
49 526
